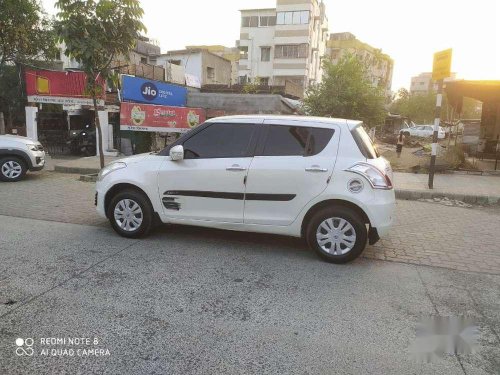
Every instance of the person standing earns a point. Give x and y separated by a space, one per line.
400 143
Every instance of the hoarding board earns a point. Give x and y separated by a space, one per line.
58 87
157 118
441 67
142 90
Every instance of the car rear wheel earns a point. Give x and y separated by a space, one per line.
12 169
130 214
337 235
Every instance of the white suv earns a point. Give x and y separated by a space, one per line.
316 178
19 155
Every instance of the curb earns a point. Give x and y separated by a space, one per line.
76 170
88 178
467 198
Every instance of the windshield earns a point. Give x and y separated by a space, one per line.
364 143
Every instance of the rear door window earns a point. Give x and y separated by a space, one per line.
285 140
364 143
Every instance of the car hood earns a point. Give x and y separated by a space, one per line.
135 158
18 138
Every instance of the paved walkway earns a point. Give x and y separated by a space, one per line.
424 233
468 188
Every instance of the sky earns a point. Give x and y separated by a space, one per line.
409 31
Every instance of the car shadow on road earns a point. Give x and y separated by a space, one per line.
236 240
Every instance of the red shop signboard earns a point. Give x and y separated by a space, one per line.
58 87
159 118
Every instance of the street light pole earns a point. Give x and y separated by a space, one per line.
437 120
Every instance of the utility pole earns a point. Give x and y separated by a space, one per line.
437 121
441 69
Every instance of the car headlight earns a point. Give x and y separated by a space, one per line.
110 168
376 178
32 147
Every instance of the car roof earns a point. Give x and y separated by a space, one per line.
307 120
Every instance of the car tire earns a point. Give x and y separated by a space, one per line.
12 169
130 214
342 231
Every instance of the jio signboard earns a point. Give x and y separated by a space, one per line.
141 90
159 118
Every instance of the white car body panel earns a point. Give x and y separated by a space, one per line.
22 145
155 175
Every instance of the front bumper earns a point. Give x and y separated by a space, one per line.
100 195
37 160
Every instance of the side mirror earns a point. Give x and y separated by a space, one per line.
177 153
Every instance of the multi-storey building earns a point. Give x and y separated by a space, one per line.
380 65
282 44
423 83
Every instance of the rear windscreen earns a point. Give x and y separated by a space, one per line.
364 143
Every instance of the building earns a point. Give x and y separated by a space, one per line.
423 83
282 44
199 64
229 53
380 65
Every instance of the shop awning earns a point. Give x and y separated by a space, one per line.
484 91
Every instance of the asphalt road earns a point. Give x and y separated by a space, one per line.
196 301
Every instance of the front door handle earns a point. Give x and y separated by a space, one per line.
236 168
316 168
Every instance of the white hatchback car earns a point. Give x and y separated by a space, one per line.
316 178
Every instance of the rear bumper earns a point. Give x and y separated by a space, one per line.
381 211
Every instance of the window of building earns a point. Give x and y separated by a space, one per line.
220 141
264 81
266 21
210 73
296 140
242 80
293 18
244 53
144 60
265 54
291 51
252 21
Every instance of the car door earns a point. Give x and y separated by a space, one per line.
209 183
292 165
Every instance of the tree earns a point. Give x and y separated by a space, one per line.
26 36
347 93
421 108
96 32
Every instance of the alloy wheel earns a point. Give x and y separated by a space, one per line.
336 236
12 169
128 215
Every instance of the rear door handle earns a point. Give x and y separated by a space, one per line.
316 168
236 168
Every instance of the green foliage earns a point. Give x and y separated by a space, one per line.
96 32
252 87
26 33
345 92
421 108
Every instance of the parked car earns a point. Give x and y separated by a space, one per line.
316 178
424 131
19 155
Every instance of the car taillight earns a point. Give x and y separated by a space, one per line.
376 178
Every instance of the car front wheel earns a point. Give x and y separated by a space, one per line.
12 169
337 235
130 214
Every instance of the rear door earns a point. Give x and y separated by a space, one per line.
292 165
